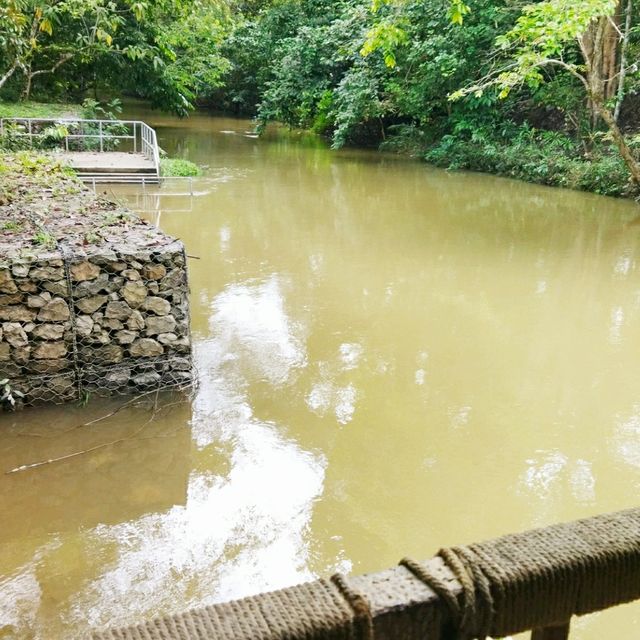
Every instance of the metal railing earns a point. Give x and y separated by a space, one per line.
79 134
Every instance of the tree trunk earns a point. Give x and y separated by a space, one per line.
632 164
30 74
623 59
27 88
600 45
610 46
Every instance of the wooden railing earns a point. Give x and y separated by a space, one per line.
77 134
536 581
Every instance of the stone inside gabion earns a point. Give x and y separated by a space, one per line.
82 318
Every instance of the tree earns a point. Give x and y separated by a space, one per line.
569 35
37 37
189 65
580 37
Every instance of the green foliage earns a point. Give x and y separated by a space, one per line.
541 35
166 51
197 67
38 36
365 72
9 396
310 66
12 140
43 239
386 36
53 136
43 171
320 69
96 110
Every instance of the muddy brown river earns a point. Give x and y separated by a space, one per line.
391 358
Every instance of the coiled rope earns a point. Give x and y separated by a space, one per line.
538 578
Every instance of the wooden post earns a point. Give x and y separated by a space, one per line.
556 632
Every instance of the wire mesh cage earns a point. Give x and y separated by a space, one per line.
82 317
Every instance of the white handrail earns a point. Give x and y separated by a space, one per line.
150 145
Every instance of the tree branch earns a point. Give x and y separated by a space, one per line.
8 74
64 58
567 67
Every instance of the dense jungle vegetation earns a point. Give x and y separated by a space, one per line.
546 92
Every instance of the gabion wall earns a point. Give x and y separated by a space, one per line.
102 310
106 323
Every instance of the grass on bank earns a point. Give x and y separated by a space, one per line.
30 109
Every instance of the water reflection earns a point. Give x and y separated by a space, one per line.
250 322
239 526
551 478
627 437
240 532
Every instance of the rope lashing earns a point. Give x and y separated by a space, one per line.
363 626
473 616
320 610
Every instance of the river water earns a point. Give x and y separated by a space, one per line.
391 358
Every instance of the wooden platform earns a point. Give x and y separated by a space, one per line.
141 166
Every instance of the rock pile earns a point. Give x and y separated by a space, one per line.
79 317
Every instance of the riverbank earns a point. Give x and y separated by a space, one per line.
525 153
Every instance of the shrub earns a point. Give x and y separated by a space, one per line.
543 157
178 167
